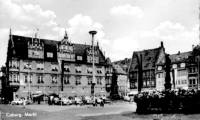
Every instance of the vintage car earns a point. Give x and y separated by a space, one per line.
17 102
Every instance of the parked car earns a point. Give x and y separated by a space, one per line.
107 101
64 101
55 100
127 98
99 100
17 102
78 101
87 100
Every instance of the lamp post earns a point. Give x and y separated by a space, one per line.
93 81
29 89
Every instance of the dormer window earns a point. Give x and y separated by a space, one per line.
178 58
49 55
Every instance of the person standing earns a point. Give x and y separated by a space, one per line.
24 103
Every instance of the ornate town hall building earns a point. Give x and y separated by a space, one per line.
40 66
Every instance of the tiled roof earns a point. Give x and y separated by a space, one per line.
118 69
177 58
196 50
21 48
124 64
149 58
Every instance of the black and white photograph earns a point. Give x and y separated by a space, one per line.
99 60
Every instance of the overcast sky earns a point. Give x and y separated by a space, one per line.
123 26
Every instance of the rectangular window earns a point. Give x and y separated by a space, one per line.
78 69
190 81
89 81
78 81
49 55
27 65
40 79
144 83
54 67
79 57
54 79
99 81
178 82
26 78
158 75
14 64
40 66
194 81
67 68
148 83
99 70
66 80
89 70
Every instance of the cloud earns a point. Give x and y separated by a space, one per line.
127 10
122 47
4 36
174 35
32 14
80 26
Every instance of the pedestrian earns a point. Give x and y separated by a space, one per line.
96 102
24 103
102 103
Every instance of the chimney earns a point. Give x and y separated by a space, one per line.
192 47
178 52
161 44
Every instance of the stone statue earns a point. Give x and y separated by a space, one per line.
167 71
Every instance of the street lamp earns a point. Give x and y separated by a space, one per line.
93 81
29 89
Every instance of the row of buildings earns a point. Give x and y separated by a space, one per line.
40 66
184 69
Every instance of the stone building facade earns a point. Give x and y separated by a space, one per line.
41 66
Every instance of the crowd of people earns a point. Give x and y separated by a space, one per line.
171 100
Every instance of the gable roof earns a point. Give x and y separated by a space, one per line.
124 64
118 69
21 48
177 58
149 58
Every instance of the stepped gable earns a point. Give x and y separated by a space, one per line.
21 48
149 59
